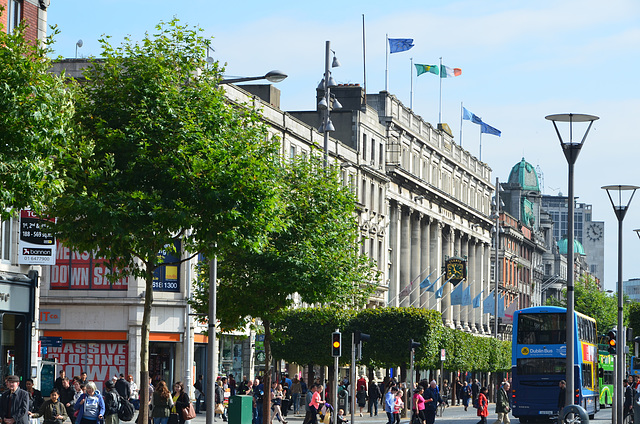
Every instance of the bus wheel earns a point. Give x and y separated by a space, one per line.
579 415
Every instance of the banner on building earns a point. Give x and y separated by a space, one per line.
82 271
100 361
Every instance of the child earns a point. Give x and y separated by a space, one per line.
483 406
397 407
341 418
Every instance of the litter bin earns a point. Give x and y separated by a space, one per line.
240 409
343 401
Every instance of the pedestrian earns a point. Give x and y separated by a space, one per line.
66 396
53 411
458 388
35 397
90 405
562 395
110 403
628 398
466 394
475 390
180 400
286 399
432 399
123 387
341 418
161 403
361 397
389 403
418 406
307 404
483 406
296 391
397 407
258 397
14 403
316 401
502 404
362 382
135 393
200 392
58 383
374 396
277 395
220 401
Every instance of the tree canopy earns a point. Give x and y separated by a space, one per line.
35 122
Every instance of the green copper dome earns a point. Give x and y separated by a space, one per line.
525 176
577 246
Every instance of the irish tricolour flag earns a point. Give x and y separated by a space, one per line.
446 72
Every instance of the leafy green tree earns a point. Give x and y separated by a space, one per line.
314 258
162 157
592 301
36 112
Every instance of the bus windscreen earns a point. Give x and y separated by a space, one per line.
542 329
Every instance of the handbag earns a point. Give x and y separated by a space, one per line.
189 412
219 409
173 418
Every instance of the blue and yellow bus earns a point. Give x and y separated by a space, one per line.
539 353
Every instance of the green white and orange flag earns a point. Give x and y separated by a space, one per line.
423 69
446 72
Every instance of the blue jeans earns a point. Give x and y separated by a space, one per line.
257 415
373 404
160 420
199 398
295 398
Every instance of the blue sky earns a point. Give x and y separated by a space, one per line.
520 61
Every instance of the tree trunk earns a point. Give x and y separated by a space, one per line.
310 375
268 370
144 350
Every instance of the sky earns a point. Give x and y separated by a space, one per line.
520 61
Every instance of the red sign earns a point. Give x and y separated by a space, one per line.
100 361
81 271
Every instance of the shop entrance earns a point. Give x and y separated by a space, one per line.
14 345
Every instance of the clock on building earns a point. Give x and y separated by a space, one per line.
456 270
594 232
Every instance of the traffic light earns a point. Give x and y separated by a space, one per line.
413 345
611 341
336 344
358 339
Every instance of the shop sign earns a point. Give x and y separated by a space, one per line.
14 298
49 316
100 361
166 278
36 246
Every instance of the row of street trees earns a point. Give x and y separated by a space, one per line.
147 151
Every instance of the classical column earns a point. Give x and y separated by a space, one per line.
487 286
425 259
447 250
416 266
472 277
464 309
436 261
405 254
457 251
394 245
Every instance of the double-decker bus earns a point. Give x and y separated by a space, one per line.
539 354
605 376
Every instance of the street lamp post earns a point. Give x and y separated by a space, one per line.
212 354
620 207
327 102
571 151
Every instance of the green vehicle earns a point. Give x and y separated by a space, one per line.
605 376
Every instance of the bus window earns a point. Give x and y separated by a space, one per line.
541 328
587 380
541 366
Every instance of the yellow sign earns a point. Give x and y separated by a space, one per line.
525 350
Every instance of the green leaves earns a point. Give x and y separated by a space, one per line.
36 112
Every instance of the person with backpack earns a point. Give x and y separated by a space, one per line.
111 403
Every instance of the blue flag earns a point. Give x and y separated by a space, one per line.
466 296
439 292
488 129
500 306
397 45
426 283
476 300
488 305
456 295
471 116
432 286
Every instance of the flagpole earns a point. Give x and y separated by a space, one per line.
411 94
364 61
386 68
434 291
410 284
480 158
461 113
440 108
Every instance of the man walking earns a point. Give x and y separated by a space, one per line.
502 405
390 404
14 403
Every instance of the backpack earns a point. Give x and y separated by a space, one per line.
125 409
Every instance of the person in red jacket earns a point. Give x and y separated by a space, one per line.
483 406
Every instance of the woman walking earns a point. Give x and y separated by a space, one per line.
276 401
483 406
180 400
90 405
161 403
